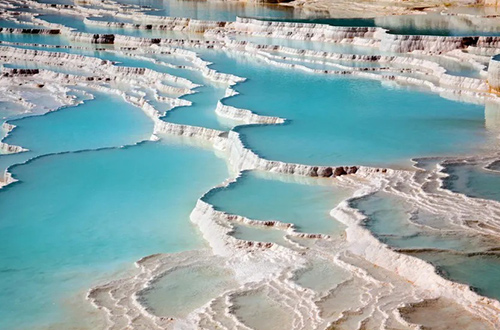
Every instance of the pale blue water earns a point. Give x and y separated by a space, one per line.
9 109
36 39
204 101
480 272
262 198
393 222
77 216
347 121
202 111
187 289
106 121
473 180
388 220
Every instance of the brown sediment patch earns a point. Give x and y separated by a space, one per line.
493 90
442 314
370 9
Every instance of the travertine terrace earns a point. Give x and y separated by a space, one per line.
382 281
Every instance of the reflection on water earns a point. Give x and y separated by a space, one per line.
425 24
453 22
137 200
437 24
223 10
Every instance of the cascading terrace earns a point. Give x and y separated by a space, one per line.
346 278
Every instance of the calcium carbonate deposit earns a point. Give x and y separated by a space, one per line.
223 165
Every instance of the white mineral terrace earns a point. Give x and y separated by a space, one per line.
381 281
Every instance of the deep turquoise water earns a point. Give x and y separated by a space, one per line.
106 121
75 217
204 100
262 198
344 121
202 111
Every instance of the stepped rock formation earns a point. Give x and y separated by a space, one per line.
381 281
494 74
